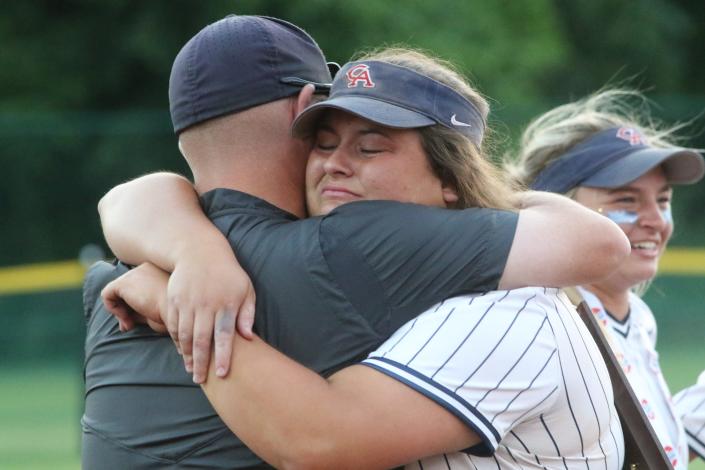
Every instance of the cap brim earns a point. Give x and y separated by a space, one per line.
681 166
379 112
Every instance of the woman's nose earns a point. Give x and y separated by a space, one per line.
654 216
338 163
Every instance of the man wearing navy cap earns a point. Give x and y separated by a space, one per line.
142 409
323 299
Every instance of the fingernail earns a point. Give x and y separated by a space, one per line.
189 368
220 371
197 379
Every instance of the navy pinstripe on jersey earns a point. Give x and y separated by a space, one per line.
517 367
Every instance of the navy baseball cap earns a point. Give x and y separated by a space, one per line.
397 97
240 62
615 157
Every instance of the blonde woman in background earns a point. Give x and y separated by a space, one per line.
604 156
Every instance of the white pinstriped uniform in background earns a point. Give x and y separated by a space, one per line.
633 342
521 370
690 405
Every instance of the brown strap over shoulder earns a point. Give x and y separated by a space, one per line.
643 451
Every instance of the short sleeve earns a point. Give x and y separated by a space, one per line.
480 360
97 276
417 255
690 406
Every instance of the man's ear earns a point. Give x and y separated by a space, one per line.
304 99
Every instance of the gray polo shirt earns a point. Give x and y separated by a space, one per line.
329 290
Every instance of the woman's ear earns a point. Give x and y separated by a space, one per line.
450 195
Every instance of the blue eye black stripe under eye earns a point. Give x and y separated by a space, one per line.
630 217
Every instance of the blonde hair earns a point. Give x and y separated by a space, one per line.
453 157
555 132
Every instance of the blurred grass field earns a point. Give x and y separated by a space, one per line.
40 409
41 389
39 413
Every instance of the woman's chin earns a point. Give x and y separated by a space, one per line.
325 207
641 272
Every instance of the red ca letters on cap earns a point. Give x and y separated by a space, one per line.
359 74
631 135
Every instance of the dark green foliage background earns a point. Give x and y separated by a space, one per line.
83 84
83 106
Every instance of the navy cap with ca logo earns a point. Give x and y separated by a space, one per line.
615 157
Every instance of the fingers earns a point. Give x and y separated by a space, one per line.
172 323
157 326
185 336
115 305
246 316
224 334
202 334
201 313
121 312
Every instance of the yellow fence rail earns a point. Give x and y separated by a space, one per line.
683 261
43 277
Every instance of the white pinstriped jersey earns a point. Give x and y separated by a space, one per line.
634 344
690 406
521 370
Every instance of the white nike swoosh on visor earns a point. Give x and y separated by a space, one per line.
455 122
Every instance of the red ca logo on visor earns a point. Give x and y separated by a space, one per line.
359 74
631 135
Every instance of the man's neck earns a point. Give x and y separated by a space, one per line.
251 152
279 188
